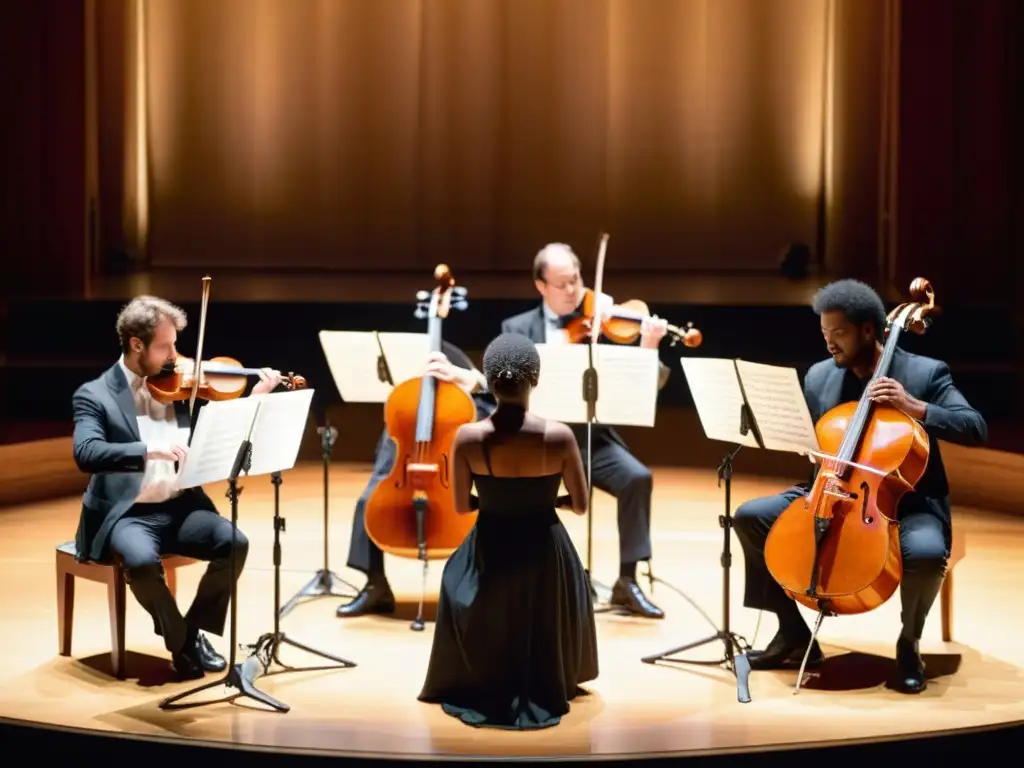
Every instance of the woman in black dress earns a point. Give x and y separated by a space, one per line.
515 632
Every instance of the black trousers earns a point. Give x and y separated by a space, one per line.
923 541
363 554
178 527
619 473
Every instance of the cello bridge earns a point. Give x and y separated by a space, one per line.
421 468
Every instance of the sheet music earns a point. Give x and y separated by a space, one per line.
777 402
220 429
627 385
406 354
559 393
718 398
352 357
280 424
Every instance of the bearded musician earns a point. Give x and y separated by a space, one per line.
556 275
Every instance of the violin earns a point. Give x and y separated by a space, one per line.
837 551
411 513
220 378
622 322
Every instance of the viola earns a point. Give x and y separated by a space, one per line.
220 378
621 323
837 551
411 513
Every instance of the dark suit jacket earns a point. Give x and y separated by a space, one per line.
108 446
948 417
531 324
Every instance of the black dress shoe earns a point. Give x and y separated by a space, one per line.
208 658
374 598
185 663
627 594
909 668
786 652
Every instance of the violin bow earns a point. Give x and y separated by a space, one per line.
598 283
199 348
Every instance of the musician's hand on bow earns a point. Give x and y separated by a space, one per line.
652 331
886 391
269 379
441 368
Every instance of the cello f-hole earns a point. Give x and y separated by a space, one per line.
866 489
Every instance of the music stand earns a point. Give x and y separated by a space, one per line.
362 374
626 376
225 443
729 396
293 408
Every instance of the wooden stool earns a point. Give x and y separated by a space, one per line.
957 552
68 568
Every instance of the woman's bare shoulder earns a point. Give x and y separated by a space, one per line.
472 432
557 433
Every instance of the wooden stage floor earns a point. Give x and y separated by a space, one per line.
633 709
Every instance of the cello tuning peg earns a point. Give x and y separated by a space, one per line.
460 305
422 295
420 313
460 290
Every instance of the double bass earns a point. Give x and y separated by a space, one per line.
837 551
411 513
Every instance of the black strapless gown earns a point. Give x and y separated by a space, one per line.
515 633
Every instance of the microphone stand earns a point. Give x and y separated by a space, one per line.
326 581
234 678
266 648
739 664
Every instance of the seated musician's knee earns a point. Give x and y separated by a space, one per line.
926 557
640 480
222 546
749 515
138 560
142 570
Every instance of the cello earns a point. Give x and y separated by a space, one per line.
411 513
837 551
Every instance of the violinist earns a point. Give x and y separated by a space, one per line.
131 513
364 555
614 470
853 320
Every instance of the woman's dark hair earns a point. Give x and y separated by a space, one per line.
511 365
858 301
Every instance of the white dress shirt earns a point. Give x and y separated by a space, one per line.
158 426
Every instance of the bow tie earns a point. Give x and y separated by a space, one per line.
564 320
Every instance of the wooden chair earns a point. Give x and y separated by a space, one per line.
68 569
957 552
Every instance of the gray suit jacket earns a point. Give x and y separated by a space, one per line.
108 446
531 324
948 417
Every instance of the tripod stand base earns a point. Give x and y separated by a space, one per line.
739 664
268 646
233 679
323 584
